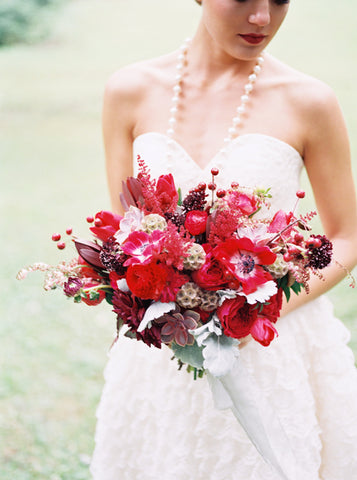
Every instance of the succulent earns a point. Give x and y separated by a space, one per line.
196 257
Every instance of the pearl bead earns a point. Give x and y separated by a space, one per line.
248 88
177 89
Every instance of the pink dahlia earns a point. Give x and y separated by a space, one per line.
142 247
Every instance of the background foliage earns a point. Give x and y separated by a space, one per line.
24 20
52 176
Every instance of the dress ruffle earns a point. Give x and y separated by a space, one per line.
155 422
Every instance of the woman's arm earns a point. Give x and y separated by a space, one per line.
121 102
328 164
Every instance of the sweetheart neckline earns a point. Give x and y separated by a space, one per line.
234 141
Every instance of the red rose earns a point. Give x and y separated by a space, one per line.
196 221
166 192
237 317
272 309
263 331
211 276
108 224
146 281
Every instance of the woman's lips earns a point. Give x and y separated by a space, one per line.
253 38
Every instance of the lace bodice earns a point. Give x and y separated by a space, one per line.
251 159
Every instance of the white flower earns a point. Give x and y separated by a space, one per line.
130 223
262 293
258 234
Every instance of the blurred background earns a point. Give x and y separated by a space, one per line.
55 58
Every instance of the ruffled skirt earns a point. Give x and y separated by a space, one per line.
155 422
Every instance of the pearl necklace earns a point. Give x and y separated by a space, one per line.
177 90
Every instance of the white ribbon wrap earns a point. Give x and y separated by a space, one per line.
238 391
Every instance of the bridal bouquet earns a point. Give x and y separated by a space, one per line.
197 273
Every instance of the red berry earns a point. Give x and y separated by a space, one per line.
293 251
300 194
214 171
69 231
90 219
234 184
211 186
299 237
98 222
220 193
61 245
317 242
287 257
56 237
201 187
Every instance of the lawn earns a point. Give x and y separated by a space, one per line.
52 176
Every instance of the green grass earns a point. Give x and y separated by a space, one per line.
52 176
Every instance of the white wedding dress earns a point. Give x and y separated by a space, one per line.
157 423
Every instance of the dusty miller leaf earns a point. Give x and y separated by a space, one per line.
156 310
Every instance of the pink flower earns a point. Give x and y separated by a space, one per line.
280 221
143 247
166 193
263 331
239 201
237 317
107 224
130 223
196 221
244 262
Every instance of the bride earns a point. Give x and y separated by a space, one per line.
222 101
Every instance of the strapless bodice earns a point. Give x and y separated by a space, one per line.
251 160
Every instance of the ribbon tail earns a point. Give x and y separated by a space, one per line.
238 391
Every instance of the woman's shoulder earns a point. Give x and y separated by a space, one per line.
133 82
305 92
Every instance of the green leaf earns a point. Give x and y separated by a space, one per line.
93 295
296 287
179 201
109 297
190 354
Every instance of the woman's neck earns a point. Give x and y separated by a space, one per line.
209 62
